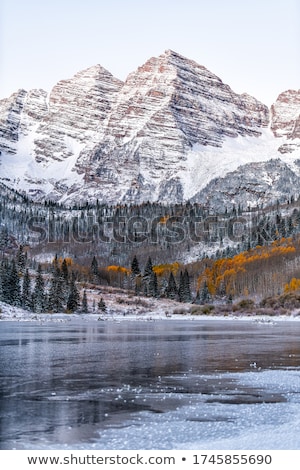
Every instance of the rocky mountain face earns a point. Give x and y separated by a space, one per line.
77 109
171 129
164 109
286 119
19 115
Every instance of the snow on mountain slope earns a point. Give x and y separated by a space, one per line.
206 163
18 115
252 184
163 135
39 180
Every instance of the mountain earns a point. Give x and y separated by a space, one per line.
172 132
286 119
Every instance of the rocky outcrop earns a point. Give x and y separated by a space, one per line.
285 119
285 115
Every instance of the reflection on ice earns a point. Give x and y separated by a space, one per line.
159 385
225 419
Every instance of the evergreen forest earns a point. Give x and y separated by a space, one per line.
50 254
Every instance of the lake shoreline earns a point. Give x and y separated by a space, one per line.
11 313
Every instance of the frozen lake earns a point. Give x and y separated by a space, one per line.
166 384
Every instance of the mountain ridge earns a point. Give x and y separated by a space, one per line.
163 134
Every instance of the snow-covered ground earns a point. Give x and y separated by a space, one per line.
147 310
225 423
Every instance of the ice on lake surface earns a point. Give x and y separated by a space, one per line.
150 385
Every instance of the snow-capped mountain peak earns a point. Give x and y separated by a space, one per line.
162 135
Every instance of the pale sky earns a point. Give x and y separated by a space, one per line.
252 45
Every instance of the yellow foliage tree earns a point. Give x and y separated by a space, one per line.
118 269
164 219
165 269
293 285
233 274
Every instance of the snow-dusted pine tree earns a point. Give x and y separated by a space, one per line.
73 298
171 290
84 303
38 296
26 296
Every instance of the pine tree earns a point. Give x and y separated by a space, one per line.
73 298
203 296
147 276
135 276
148 268
101 305
26 297
135 269
57 292
65 271
187 286
55 263
3 279
94 267
181 288
38 296
4 239
12 288
84 304
153 286
171 291
184 290
290 226
138 284
21 259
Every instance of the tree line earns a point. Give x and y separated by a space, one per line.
40 292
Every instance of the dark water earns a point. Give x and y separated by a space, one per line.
63 384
